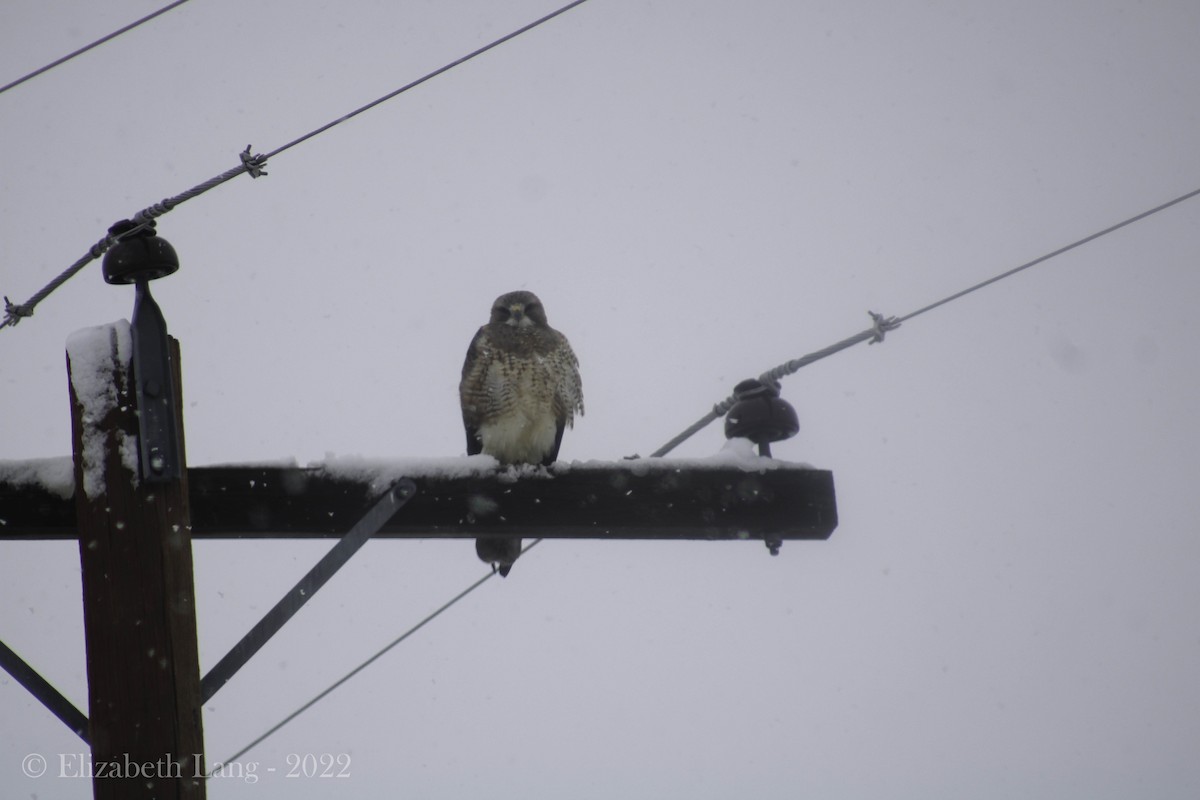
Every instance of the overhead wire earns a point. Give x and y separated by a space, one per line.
328 690
15 312
85 48
1052 254
252 164
882 325
427 76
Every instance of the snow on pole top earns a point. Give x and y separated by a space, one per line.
91 351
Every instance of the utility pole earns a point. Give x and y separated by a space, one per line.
132 515
131 500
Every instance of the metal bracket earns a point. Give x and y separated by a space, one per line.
158 431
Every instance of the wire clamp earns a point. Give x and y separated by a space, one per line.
13 312
253 164
881 326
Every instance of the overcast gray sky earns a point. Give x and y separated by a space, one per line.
697 191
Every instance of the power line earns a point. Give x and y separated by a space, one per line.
882 325
367 663
85 48
426 77
1058 252
15 312
253 164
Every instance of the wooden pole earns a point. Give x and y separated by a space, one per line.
138 596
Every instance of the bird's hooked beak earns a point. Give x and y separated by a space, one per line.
516 315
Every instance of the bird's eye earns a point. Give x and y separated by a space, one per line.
529 309
501 312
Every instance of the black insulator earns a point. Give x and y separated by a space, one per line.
760 414
139 256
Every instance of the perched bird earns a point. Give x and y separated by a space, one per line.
520 389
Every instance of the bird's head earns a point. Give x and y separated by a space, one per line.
519 309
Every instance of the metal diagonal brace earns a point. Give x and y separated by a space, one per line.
302 592
41 689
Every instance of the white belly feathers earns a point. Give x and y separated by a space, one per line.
522 425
